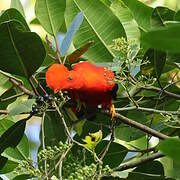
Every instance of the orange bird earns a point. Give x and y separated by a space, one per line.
91 84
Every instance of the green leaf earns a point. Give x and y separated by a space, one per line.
22 177
53 129
130 26
4 84
142 176
115 154
141 13
127 20
8 167
13 14
20 106
157 60
171 148
4 102
22 52
106 2
3 161
177 16
154 167
127 133
160 15
165 39
17 5
50 13
101 31
12 135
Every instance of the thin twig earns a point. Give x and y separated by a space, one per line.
20 86
137 125
12 97
43 144
57 49
156 89
147 110
61 161
33 87
38 83
64 60
58 163
143 151
68 132
4 112
139 162
109 143
63 120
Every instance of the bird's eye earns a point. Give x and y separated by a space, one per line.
70 78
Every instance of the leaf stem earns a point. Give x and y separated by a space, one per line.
43 144
57 49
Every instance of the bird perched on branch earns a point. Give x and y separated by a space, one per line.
90 84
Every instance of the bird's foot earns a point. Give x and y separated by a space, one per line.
113 111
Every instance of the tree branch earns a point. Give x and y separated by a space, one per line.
137 125
147 110
156 89
12 97
21 87
139 162
3 111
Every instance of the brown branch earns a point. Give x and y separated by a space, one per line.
147 110
109 143
12 97
20 86
33 87
156 89
38 83
4 112
139 162
137 125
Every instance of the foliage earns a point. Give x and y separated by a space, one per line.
139 43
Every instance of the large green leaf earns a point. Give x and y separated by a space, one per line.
129 24
50 13
165 39
115 154
154 167
4 84
20 106
142 176
171 148
157 61
127 133
141 13
8 167
13 143
11 135
3 161
53 129
127 19
17 5
177 16
100 25
22 52
13 14
160 15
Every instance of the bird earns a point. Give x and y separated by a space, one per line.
91 84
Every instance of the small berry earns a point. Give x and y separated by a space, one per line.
39 100
35 110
